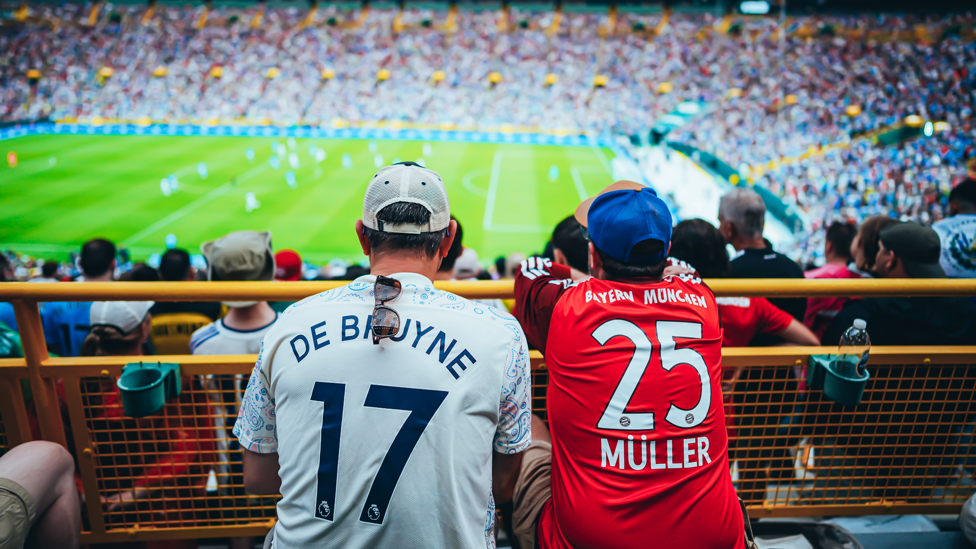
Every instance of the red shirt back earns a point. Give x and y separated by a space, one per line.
635 409
745 317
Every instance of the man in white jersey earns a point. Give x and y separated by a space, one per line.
389 413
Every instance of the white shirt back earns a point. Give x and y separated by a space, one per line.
958 237
388 445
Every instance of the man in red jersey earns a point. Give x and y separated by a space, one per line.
639 452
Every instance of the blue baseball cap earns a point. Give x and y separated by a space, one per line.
623 215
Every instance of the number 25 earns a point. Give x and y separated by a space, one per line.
614 417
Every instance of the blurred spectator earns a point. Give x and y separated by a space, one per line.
741 217
174 266
569 247
288 265
38 499
909 250
512 265
242 255
140 272
864 247
702 247
7 315
467 267
837 251
172 444
958 232
66 323
49 272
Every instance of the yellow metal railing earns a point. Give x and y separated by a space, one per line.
903 450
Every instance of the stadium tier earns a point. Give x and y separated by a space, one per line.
487 275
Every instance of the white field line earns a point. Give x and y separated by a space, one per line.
192 206
578 182
469 186
496 165
602 157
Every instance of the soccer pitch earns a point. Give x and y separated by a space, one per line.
67 189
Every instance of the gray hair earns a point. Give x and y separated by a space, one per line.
744 209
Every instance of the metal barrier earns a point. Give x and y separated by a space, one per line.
905 449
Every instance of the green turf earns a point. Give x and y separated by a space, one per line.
108 186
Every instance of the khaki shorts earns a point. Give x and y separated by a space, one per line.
532 490
16 514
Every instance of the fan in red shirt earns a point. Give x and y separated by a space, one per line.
639 449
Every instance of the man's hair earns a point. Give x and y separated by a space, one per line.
174 266
4 265
144 273
422 244
568 238
49 269
745 209
701 245
619 269
447 264
840 235
870 240
964 194
107 341
96 257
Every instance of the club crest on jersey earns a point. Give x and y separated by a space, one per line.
373 513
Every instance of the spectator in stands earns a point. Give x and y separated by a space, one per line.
837 251
175 266
864 247
598 468
702 247
288 265
7 315
66 323
469 423
140 272
909 250
171 444
49 272
958 232
741 216
569 247
39 504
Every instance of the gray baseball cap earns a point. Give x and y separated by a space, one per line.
241 255
917 246
407 182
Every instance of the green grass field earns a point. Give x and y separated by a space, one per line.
67 189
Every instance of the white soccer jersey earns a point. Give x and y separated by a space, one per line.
388 445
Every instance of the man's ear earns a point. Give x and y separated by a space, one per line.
828 248
448 240
595 262
361 235
559 257
146 327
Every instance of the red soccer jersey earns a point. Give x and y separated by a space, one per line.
640 453
745 317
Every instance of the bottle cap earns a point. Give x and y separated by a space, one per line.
860 324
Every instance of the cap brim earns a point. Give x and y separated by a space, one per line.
584 208
924 270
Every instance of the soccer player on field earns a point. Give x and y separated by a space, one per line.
386 411
639 453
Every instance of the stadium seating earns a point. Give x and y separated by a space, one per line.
171 332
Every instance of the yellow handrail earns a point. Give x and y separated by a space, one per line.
501 289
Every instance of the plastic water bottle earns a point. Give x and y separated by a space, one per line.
854 342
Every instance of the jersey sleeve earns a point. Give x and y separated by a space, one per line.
255 427
514 431
539 284
772 319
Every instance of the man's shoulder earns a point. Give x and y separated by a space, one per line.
472 312
202 335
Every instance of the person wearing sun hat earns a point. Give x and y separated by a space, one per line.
654 463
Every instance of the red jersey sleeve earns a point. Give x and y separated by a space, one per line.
539 284
771 319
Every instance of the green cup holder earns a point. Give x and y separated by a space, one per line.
145 388
842 388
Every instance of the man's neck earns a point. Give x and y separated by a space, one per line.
388 264
107 277
443 275
250 318
837 260
749 244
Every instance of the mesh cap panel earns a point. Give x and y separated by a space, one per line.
407 183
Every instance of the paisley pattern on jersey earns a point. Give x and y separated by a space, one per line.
255 426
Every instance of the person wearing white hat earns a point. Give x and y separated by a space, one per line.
387 412
118 328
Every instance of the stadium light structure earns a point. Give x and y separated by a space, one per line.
914 121
754 7
928 129
942 126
